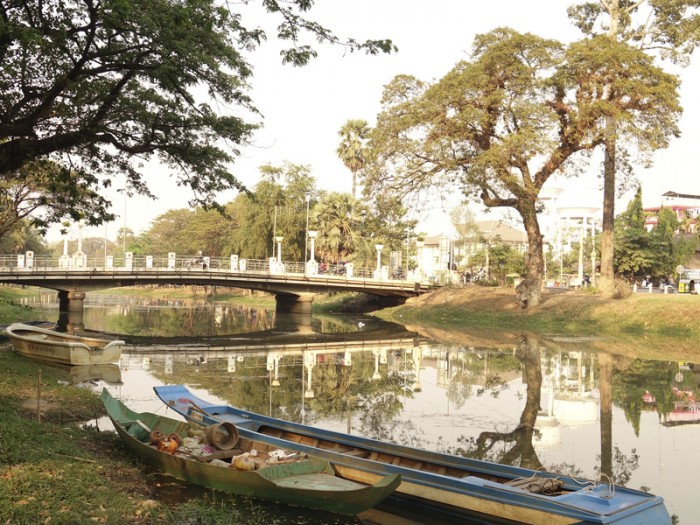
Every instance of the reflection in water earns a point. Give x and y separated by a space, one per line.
517 445
532 402
537 405
194 318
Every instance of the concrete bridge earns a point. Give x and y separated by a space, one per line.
294 284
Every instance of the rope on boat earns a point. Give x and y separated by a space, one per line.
611 486
610 483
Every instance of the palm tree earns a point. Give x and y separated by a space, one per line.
352 148
336 217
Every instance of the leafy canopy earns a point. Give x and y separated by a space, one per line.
522 109
103 87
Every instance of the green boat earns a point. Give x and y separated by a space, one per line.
241 466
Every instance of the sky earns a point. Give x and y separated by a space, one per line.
303 108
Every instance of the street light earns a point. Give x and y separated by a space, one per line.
279 248
306 238
419 255
312 236
408 238
379 247
311 263
124 239
376 376
274 231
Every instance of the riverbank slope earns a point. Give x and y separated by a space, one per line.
657 325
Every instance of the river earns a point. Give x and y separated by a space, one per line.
597 413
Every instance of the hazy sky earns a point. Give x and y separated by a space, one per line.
304 108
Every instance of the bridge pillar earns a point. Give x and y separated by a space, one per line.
295 304
75 301
70 306
62 301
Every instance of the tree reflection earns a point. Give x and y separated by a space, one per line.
654 381
519 450
344 391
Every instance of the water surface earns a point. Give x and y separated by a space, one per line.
535 402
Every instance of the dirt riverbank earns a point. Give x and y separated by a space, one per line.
651 325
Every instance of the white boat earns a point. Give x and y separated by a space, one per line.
59 347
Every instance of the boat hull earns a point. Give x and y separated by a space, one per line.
57 347
456 484
310 483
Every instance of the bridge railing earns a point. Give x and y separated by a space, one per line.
141 263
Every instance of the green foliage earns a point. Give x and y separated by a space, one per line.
22 237
337 218
633 217
504 259
187 232
464 222
654 377
273 209
501 124
93 87
656 252
352 149
670 27
42 192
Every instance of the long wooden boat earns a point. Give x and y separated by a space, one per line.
441 482
59 347
244 467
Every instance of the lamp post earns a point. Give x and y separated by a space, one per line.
312 236
408 238
379 247
309 362
274 231
581 237
105 261
306 238
278 239
124 239
376 375
592 251
311 263
81 225
419 255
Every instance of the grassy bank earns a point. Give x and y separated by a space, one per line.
10 308
53 469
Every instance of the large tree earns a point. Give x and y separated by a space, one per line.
101 86
503 123
42 192
352 149
276 207
670 27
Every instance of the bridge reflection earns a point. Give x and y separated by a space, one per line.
277 359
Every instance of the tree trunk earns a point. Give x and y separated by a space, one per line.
606 283
529 291
605 363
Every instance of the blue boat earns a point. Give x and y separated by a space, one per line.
453 485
